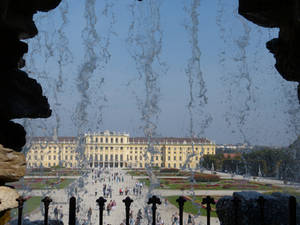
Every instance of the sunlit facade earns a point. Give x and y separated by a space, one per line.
117 150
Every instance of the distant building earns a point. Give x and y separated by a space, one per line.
233 148
231 155
111 149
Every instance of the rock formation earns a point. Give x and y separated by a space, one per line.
20 95
284 15
12 165
248 210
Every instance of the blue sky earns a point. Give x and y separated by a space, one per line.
270 118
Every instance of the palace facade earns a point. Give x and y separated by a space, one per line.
112 149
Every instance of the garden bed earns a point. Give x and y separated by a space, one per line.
177 183
42 183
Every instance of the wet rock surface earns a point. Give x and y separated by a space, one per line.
247 210
284 15
20 95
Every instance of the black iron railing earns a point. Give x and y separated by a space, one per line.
154 200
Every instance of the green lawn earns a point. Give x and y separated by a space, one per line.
193 208
29 206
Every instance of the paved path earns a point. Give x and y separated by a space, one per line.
86 187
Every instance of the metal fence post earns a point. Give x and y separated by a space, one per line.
72 211
208 200
261 202
127 202
181 200
46 201
236 202
20 201
154 200
101 201
292 210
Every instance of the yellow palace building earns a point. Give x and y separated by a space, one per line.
117 150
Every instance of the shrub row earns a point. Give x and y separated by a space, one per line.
169 170
201 177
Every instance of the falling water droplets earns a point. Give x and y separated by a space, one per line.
145 46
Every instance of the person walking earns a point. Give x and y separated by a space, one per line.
189 222
108 208
89 214
56 213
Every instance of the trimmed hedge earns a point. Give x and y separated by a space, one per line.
201 177
169 170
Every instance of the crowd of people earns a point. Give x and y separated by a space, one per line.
107 179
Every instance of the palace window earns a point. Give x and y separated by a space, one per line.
121 140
